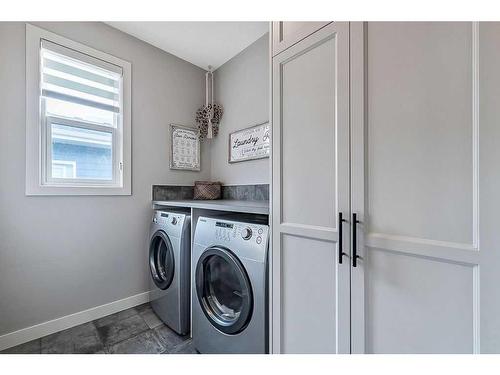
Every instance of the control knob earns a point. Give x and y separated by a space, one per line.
174 220
246 233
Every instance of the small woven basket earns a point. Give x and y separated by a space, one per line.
207 190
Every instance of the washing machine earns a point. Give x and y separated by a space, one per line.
229 294
170 266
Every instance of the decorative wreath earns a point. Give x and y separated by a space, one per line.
208 117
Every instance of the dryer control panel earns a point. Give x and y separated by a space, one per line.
172 223
167 218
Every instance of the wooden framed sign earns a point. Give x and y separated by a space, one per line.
184 148
250 143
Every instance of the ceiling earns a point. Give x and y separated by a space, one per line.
200 43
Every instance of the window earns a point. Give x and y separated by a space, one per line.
78 118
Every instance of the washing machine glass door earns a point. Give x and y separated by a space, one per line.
224 290
161 259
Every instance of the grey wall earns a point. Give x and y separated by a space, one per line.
242 87
61 255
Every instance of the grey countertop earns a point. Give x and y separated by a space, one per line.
251 207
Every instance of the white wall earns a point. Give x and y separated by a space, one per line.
242 87
61 255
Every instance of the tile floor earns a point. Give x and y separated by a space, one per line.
134 331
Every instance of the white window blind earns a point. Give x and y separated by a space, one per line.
78 118
77 78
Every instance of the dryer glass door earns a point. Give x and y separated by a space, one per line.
224 290
161 260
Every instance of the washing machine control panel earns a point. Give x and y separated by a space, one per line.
225 231
231 232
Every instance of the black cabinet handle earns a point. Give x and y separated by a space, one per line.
355 255
341 253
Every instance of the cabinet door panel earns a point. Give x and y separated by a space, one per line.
309 150
421 253
420 130
310 289
408 313
308 298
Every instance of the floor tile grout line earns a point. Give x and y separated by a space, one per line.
107 346
128 338
141 333
104 348
162 342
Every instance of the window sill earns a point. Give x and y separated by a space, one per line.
76 190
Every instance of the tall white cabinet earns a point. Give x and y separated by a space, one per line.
396 123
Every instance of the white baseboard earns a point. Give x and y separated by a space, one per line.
52 326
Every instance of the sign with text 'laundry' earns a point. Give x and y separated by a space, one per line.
250 143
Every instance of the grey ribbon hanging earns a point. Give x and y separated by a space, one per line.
208 117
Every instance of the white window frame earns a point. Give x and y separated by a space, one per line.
38 181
